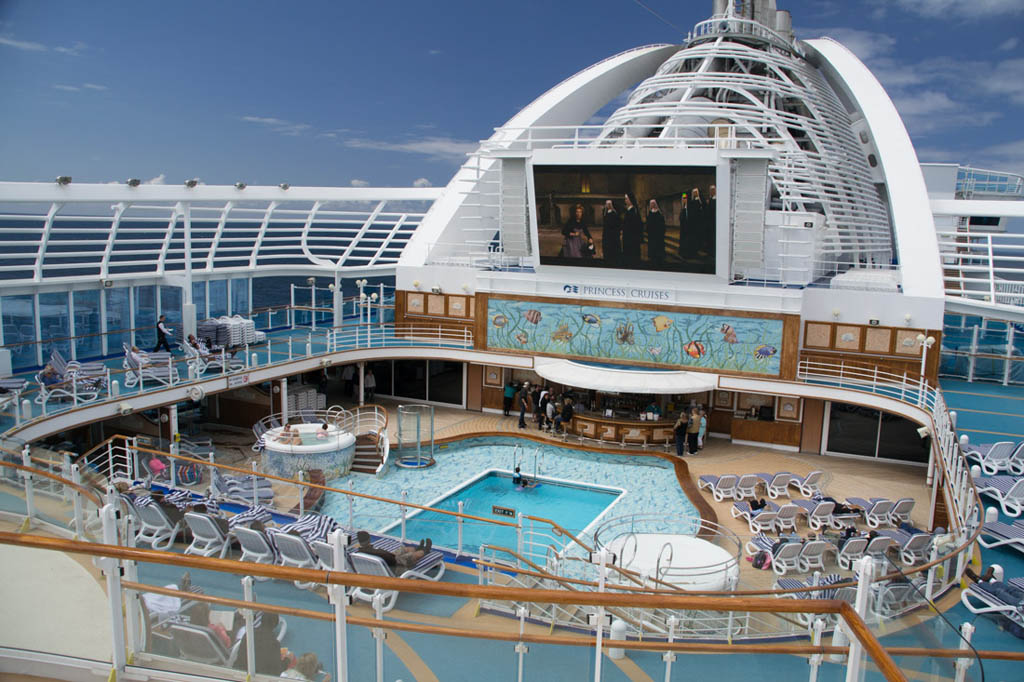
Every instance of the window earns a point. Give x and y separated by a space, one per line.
856 430
445 383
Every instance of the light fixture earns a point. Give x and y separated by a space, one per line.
835 313
330 287
362 295
124 408
373 296
436 289
311 281
107 283
133 182
907 318
63 180
465 287
927 342
416 283
192 182
284 185
239 185
924 432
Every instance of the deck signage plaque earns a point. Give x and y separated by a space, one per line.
503 511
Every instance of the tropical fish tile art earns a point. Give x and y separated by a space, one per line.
672 339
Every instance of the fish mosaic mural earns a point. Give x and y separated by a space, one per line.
623 334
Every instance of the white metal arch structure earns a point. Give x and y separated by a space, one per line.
742 85
459 228
55 235
913 224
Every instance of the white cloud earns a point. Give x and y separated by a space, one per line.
158 180
279 125
441 148
1009 44
435 51
93 86
76 49
1008 80
968 9
422 182
66 88
356 182
22 44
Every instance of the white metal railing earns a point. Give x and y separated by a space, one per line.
747 28
983 266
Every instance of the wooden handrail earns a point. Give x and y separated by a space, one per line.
860 630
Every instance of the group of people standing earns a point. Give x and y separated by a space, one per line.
549 411
623 233
690 429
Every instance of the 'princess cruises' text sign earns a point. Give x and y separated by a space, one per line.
633 293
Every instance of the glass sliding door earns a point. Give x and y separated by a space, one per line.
866 432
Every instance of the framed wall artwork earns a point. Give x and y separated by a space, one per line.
788 408
414 303
457 306
492 376
877 340
818 335
847 337
907 343
435 305
724 400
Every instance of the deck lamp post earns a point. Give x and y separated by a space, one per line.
926 343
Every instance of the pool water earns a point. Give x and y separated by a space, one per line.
493 496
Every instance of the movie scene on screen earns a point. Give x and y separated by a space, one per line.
627 217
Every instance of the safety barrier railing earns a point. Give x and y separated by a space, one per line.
907 387
124 567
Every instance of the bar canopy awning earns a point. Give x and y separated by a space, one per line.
620 379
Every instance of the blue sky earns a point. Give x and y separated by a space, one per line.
392 94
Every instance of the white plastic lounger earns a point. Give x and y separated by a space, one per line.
852 550
901 511
255 546
912 547
879 546
208 539
996 459
819 514
430 567
787 516
809 484
813 555
1007 490
721 487
157 529
876 512
979 598
759 543
760 520
747 486
787 558
788 585
297 553
999 534
777 485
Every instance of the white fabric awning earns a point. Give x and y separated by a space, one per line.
600 377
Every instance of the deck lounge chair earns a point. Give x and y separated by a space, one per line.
876 512
324 554
787 558
208 539
809 484
812 555
759 520
852 550
759 543
157 529
199 644
999 534
721 487
84 389
787 516
879 546
894 598
64 367
985 598
255 546
295 552
788 585
912 547
777 485
747 486
998 458
163 373
1007 490
430 567
901 511
819 514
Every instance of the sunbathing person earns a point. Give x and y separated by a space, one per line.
404 557
1004 591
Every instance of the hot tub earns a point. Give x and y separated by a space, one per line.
331 451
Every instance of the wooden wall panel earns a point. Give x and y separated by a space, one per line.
474 387
891 349
814 414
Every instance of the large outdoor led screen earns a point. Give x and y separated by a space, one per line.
584 218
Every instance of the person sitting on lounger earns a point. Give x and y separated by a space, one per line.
757 506
307 668
1004 591
404 557
139 358
49 376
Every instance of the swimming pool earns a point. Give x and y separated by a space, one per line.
492 495
651 484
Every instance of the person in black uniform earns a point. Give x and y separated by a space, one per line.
611 237
632 232
655 235
161 334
